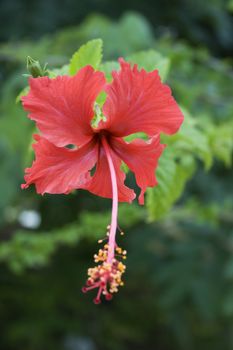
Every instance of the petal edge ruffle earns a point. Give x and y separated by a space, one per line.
139 101
62 107
60 170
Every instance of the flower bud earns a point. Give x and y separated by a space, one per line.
35 69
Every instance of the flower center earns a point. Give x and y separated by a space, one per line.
107 275
98 116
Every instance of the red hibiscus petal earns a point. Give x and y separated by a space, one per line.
142 158
63 107
100 184
138 101
60 170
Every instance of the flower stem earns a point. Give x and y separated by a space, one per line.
113 226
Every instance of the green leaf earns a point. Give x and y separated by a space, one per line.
88 54
9 166
151 60
191 139
221 141
33 249
172 177
230 5
130 22
21 94
64 70
108 67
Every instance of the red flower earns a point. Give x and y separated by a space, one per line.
63 109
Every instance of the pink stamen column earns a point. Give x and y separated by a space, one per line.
113 226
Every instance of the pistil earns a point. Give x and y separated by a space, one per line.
113 225
107 275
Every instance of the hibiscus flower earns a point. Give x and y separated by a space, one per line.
66 113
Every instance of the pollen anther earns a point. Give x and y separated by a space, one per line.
107 276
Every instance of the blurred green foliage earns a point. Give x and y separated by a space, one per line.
179 288
208 23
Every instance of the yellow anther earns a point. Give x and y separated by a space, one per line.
107 274
119 250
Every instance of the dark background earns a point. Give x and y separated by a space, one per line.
200 22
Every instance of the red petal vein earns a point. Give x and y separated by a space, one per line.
60 170
100 184
63 107
138 101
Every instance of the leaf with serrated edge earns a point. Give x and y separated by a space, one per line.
88 54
